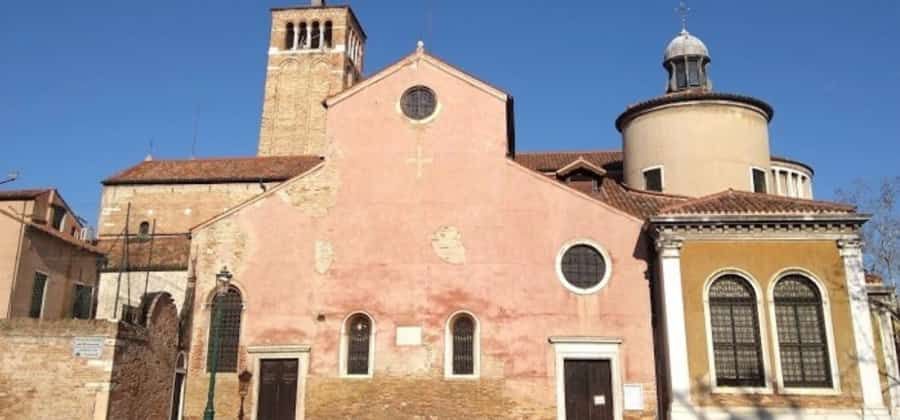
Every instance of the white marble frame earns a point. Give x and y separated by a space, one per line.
763 340
448 347
342 362
607 259
829 334
299 352
588 348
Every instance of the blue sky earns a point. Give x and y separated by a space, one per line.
85 86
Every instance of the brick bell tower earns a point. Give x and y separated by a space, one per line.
315 51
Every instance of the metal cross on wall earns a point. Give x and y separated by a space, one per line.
419 160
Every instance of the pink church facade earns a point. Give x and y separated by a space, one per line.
410 224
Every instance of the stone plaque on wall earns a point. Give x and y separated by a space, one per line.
634 397
409 336
88 347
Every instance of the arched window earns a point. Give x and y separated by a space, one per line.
358 344
315 36
802 337
734 323
464 345
289 37
328 31
302 36
144 228
229 330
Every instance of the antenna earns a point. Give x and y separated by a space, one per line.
194 141
683 10
429 12
10 177
150 151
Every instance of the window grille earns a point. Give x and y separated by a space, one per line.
359 334
464 345
802 339
583 266
737 350
229 330
37 295
418 102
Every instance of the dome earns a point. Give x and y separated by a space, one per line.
685 44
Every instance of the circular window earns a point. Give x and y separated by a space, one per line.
583 267
418 102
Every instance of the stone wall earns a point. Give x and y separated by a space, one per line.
175 208
42 378
171 282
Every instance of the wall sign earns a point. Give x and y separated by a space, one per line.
88 347
409 336
634 397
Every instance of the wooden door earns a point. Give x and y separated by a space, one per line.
277 389
588 390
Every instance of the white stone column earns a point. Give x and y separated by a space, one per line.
851 252
669 251
885 324
322 35
294 46
307 42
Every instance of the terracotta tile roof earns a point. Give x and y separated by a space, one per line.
874 279
611 191
642 204
12 195
210 171
552 161
53 233
741 202
691 95
163 253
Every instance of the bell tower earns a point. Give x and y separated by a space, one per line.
315 51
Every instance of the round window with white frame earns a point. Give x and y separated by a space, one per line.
418 103
583 266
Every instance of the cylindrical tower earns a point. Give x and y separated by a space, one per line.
693 141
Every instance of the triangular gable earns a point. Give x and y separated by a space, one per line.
418 56
255 199
580 163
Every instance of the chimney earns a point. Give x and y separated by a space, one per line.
318 3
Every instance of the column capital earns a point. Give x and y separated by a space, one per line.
850 247
669 247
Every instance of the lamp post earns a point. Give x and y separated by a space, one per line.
223 278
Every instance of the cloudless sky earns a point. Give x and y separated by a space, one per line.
86 85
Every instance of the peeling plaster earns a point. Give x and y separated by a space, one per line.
324 256
225 245
447 244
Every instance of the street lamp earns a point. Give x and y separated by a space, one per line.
223 278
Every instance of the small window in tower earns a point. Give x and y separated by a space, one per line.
144 229
759 180
315 36
302 36
289 37
653 179
328 31
680 76
59 214
693 71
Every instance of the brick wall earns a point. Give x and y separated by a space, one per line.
41 378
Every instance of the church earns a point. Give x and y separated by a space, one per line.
440 273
